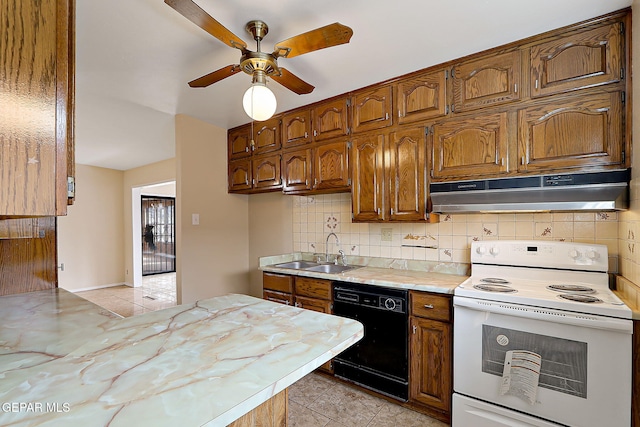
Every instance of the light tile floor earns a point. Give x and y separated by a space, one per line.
157 292
319 401
314 401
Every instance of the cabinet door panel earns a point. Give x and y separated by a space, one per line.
296 128
592 57
240 175
422 97
431 373
296 171
314 288
367 169
331 166
578 133
267 136
330 119
487 81
407 175
372 109
239 142
472 147
266 172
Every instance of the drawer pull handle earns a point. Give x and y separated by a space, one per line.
428 306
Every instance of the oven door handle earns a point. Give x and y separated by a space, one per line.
545 314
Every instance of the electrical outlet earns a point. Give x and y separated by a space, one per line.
385 234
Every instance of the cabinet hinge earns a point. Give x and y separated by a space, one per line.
623 97
446 109
348 181
622 28
623 156
446 74
453 108
348 131
453 73
622 73
71 187
426 130
349 144
349 102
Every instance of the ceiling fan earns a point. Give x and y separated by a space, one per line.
256 63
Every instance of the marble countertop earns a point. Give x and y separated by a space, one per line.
395 275
206 363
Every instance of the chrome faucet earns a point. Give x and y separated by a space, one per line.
326 246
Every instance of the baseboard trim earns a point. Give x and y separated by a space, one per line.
93 288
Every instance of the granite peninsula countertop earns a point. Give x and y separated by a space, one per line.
206 363
414 275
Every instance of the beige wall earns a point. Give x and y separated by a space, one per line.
270 232
155 173
629 231
91 236
213 257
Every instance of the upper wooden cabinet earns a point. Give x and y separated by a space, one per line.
330 119
252 174
37 63
331 166
407 175
372 109
470 147
421 97
582 132
296 171
367 171
266 136
490 80
588 58
296 128
389 176
239 142
324 168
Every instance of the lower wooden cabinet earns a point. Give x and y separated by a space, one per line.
431 357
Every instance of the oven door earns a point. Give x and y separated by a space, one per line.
585 370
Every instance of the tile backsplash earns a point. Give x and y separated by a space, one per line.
314 217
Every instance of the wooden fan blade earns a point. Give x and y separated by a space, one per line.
202 19
292 82
216 76
320 38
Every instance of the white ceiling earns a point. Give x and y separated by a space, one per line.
134 58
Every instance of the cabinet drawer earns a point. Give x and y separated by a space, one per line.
277 282
431 306
314 288
279 297
313 304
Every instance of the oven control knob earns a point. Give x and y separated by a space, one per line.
389 304
593 255
494 251
481 250
574 254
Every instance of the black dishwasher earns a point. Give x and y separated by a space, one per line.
379 361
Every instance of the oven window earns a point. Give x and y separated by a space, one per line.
564 362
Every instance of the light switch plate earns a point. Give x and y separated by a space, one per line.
195 219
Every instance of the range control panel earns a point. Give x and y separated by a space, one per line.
548 254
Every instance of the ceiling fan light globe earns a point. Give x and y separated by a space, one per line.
259 102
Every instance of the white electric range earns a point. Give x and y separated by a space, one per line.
545 311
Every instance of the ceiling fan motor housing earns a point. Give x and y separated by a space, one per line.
258 61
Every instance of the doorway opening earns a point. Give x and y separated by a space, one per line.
158 234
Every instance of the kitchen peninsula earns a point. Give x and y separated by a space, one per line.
64 360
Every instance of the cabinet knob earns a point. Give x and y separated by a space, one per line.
414 328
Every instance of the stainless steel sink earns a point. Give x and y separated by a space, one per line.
297 265
331 268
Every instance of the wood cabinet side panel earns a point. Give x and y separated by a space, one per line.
28 149
30 264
